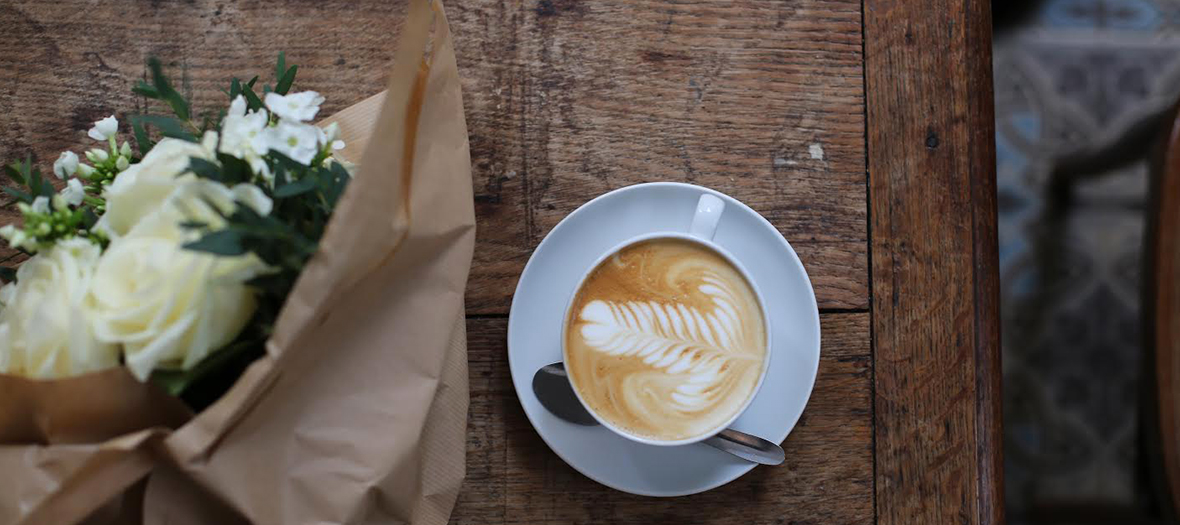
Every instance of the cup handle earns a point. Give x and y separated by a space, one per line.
704 221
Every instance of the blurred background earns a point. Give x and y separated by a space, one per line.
1083 94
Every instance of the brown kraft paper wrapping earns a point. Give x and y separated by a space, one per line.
356 414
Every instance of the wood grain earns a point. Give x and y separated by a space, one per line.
934 265
567 101
564 100
512 477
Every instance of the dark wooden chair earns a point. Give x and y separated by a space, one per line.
1161 313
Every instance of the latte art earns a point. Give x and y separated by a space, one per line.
665 340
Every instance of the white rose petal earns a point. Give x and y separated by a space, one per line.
73 192
66 164
168 306
44 332
104 129
299 142
299 107
142 188
254 197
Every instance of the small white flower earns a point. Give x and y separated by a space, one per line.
122 163
104 129
241 135
125 149
299 142
300 106
97 156
330 137
85 171
40 205
66 164
73 192
7 231
18 239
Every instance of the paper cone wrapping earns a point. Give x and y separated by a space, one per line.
356 414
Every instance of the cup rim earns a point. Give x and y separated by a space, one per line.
715 248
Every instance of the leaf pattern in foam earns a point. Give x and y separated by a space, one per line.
674 337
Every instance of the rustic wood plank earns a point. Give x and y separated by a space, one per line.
563 102
760 99
512 477
934 263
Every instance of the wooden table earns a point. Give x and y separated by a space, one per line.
862 131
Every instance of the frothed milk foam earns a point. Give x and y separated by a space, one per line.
665 340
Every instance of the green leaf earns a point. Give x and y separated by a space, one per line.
168 126
13 171
18 194
235 89
298 187
252 101
176 381
35 183
8 274
194 225
40 185
285 82
141 137
281 66
166 92
250 84
145 89
221 242
88 218
234 169
205 169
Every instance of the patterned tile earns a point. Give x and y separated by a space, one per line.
1070 77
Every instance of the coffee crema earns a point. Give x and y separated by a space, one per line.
665 340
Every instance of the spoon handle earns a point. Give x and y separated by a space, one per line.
747 447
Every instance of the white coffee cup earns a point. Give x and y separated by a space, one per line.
700 232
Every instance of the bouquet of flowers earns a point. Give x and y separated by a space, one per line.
174 257
222 319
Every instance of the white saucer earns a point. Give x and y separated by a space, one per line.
534 335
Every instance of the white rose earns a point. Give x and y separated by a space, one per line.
142 188
44 328
168 306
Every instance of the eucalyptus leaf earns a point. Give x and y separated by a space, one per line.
298 187
166 92
141 137
168 126
288 78
176 381
18 194
281 66
221 242
13 171
205 169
